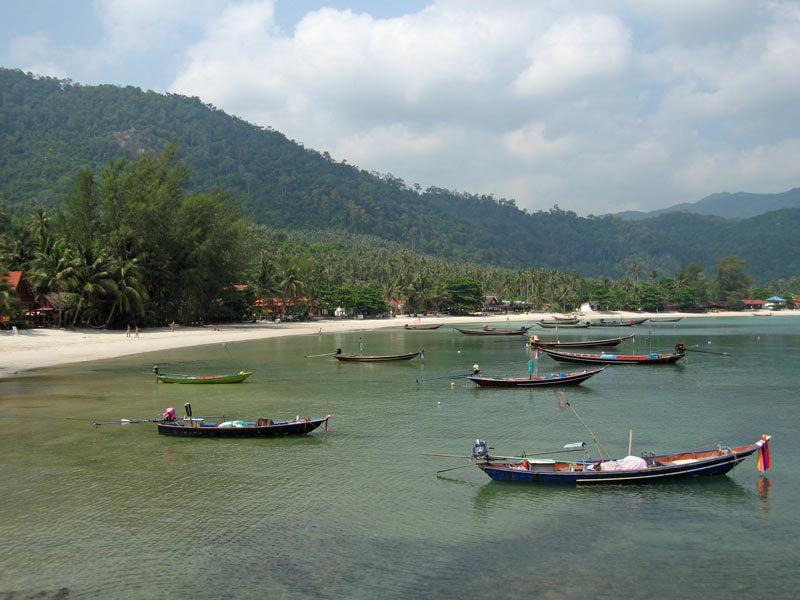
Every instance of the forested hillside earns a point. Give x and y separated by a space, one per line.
49 129
740 205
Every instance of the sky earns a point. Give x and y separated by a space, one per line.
597 106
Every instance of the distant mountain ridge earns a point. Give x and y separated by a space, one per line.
50 129
740 205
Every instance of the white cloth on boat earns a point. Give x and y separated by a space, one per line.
629 463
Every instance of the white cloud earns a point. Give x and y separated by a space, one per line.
33 53
143 24
532 143
576 49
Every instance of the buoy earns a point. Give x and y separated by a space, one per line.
459 351
439 403
452 384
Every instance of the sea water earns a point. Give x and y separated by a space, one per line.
119 511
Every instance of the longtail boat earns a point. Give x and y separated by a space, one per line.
494 331
650 468
550 379
616 322
201 427
374 358
583 343
564 319
422 326
665 319
181 378
556 325
607 358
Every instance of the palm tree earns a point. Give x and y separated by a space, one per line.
93 274
127 286
291 285
52 270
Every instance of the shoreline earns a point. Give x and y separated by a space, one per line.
40 348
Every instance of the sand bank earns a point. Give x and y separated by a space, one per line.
38 348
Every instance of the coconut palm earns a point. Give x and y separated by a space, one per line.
127 287
52 270
93 275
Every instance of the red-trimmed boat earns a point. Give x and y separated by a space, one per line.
550 379
202 427
582 343
607 358
494 331
650 468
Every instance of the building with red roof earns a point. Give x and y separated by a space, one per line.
753 304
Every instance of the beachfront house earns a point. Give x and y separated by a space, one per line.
753 304
397 306
20 296
491 303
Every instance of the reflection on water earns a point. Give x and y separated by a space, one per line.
121 511
716 491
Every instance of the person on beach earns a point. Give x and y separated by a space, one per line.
137 330
128 333
172 327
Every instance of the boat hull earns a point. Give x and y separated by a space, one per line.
521 331
553 379
613 359
606 343
425 327
278 429
367 358
203 379
702 468
547 325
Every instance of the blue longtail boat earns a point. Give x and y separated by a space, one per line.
650 468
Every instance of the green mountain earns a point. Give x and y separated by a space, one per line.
740 205
49 129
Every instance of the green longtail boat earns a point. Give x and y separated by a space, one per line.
181 378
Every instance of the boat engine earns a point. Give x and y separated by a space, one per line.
480 451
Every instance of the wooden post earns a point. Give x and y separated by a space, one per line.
630 441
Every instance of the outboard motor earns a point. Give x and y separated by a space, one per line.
480 451
169 415
188 409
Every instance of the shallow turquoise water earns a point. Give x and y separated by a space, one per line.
123 512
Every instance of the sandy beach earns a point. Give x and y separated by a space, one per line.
39 348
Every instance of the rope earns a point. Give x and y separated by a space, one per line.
600 447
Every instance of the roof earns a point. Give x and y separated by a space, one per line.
776 299
13 278
753 302
397 303
17 283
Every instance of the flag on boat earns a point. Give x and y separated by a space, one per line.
764 461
